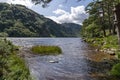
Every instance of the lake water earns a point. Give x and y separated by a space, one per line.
77 62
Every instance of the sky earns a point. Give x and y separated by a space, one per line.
60 11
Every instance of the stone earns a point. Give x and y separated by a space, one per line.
51 61
113 49
97 50
111 52
94 42
101 50
17 49
84 40
105 59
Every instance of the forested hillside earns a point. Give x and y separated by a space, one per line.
72 29
19 21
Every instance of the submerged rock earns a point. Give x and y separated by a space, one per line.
51 61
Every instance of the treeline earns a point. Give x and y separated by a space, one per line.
101 20
101 28
101 23
19 21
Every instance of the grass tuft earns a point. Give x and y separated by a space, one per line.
46 50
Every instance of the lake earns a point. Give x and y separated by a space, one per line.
78 61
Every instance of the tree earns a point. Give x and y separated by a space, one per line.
106 10
117 19
94 17
42 2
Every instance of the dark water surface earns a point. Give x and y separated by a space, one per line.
78 62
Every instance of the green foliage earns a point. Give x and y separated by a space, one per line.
3 34
110 42
96 25
17 69
93 30
47 50
118 54
19 21
91 27
99 30
20 32
116 70
5 47
42 2
72 29
12 67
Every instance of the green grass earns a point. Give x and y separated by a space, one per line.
111 42
12 67
104 42
46 50
17 69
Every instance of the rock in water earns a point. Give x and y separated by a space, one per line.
51 61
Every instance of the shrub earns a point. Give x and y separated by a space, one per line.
116 70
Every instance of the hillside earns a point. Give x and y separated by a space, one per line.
19 21
72 29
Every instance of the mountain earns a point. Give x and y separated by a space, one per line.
72 29
19 21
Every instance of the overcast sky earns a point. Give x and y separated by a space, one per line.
59 10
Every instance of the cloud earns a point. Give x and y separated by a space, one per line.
60 6
27 3
76 15
60 12
3 0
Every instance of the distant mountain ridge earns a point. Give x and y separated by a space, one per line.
19 21
72 29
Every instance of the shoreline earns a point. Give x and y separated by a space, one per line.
110 51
